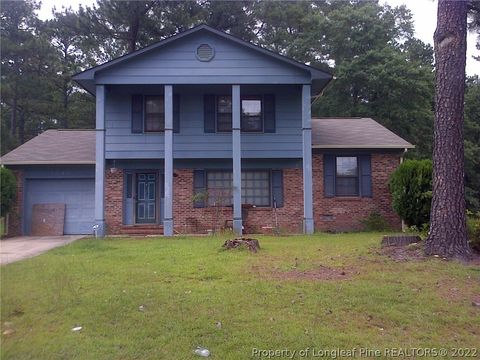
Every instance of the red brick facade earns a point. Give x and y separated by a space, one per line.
188 219
114 201
330 214
342 214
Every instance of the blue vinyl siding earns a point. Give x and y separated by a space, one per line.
192 141
177 63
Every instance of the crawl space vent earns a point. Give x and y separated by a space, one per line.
205 52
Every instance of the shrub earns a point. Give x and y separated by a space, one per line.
375 222
473 228
411 188
8 190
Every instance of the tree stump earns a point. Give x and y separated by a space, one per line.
400 240
250 244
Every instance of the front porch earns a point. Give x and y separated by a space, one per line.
156 203
191 219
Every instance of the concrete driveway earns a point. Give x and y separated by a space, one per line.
23 247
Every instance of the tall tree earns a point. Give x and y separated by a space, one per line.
472 143
448 233
382 72
27 61
65 36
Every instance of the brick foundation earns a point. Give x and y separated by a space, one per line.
14 223
343 214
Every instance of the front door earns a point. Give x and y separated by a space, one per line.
146 204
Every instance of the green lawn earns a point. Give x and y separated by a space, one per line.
188 284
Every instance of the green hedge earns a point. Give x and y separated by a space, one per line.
411 188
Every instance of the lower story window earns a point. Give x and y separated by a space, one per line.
255 188
219 188
346 180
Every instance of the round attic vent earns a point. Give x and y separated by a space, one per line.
205 52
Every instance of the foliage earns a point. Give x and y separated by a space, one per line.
375 222
8 190
411 188
187 285
422 231
473 228
472 143
382 71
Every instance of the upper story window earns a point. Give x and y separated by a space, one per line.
224 113
346 176
252 114
154 113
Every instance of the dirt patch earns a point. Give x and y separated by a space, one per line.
460 290
321 273
403 253
415 252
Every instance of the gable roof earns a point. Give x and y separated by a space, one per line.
55 147
354 133
86 78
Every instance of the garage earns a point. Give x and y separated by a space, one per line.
78 195
55 174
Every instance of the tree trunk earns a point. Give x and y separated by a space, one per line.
13 115
448 235
21 128
65 105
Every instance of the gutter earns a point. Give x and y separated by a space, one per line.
363 147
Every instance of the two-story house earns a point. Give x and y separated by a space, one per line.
203 131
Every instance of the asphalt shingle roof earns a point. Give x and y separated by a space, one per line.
358 133
78 146
55 147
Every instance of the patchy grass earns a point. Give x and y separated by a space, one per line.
187 285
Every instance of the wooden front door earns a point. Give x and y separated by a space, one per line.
146 199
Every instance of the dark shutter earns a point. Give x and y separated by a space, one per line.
176 113
209 113
365 176
269 113
199 188
329 175
137 114
277 187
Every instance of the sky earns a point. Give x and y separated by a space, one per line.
424 16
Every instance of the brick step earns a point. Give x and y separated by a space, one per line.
142 230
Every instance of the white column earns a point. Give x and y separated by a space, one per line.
308 226
237 161
168 201
100 161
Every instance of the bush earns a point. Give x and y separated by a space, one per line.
411 188
8 190
375 222
473 228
